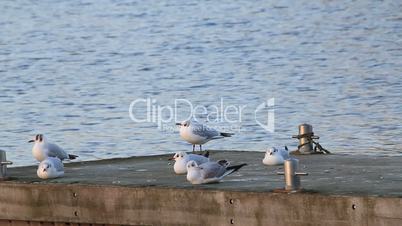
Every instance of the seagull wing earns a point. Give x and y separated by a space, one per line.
57 164
199 159
211 170
55 151
206 132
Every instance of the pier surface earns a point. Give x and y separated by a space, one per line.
339 190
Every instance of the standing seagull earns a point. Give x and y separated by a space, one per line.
209 172
198 134
50 168
42 149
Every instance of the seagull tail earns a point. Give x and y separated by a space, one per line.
72 156
232 169
227 134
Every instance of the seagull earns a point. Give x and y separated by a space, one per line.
198 134
42 149
50 168
209 172
181 159
274 156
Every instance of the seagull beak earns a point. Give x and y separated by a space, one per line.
178 123
31 141
270 153
171 158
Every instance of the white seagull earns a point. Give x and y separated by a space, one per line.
209 172
42 149
50 168
181 159
198 134
274 156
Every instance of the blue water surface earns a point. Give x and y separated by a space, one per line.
70 69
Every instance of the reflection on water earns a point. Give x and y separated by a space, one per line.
70 69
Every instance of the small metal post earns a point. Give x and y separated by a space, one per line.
3 165
292 178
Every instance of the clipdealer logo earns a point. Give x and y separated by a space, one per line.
149 110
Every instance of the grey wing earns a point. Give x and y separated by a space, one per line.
198 158
55 151
212 170
58 164
204 131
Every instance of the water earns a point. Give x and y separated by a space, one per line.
70 69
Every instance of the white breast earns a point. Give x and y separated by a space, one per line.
187 135
194 176
273 160
180 166
38 152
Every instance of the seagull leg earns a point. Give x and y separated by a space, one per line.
200 148
193 147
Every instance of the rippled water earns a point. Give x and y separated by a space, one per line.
70 69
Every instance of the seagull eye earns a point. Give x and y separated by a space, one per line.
192 165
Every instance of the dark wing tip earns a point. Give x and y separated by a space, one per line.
227 134
223 162
236 167
72 156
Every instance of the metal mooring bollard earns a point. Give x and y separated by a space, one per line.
305 132
306 140
292 178
3 165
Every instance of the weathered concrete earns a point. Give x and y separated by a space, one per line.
340 190
328 174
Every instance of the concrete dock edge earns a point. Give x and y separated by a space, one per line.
121 205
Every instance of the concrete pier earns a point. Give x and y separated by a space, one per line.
339 190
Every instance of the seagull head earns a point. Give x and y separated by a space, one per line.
191 165
271 151
178 156
185 123
46 166
39 138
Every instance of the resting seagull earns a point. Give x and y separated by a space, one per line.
50 168
275 156
181 158
210 172
198 134
42 149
